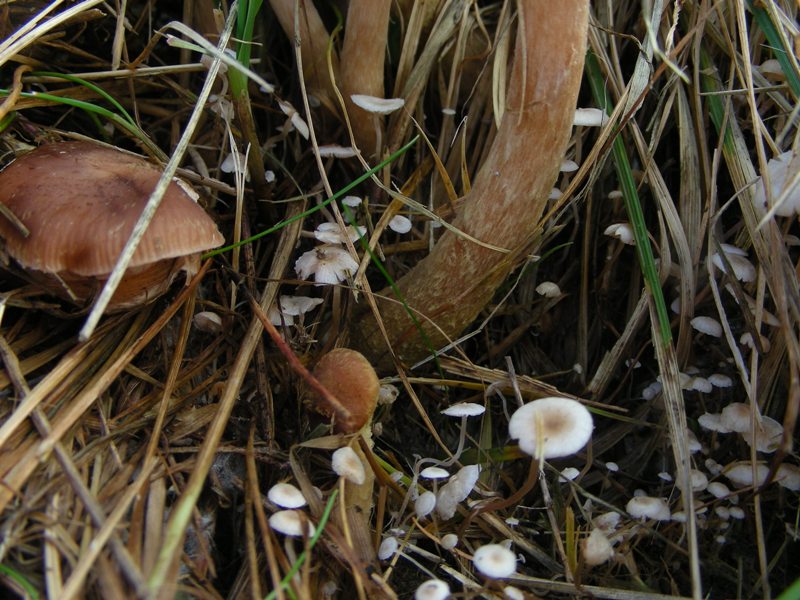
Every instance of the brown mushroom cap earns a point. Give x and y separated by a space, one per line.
80 202
353 382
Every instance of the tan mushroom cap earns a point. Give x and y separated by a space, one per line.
350 378
80 202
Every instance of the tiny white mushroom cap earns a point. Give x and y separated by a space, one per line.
736 512
464 409
400 224
743 269
329 264
286 495
720 380
495 561
648 507
336 151
345 463
456 490
566 426
434 473
736 417
513 593
740 474
622 231
608 521
718 489
378 106
291 523
712 422
707 325
768 435
548 289
788 476
449 541
424 504
596 549
388 547
433 589
568 474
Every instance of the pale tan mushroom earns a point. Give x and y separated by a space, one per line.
80 202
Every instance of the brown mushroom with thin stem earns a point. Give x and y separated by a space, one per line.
352 384
80 202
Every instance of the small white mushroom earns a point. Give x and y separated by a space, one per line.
424 504
621 231
708 325
388 548
449 541
788 476
434 473
345 463
495 561
648 507
378 106
432 589
740 474
464 409
551 427
291 522
548 289
286 495
596 548
400 224
718 489
328 263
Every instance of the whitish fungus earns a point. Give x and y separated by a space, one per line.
551 427
648 507
495 561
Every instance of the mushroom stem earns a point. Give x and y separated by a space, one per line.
313 38
458 278
362 59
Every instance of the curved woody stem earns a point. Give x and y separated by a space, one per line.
458 278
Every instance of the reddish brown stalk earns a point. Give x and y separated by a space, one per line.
340 413
362 58
458 278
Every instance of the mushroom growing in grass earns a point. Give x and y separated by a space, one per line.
648 507
551 427
464 410
495 561
80 202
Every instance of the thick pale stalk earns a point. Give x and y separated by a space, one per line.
458 278
361 65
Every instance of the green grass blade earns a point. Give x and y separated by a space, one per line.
775 41
89 85
310 211
632 203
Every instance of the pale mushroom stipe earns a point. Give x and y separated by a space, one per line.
80 202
